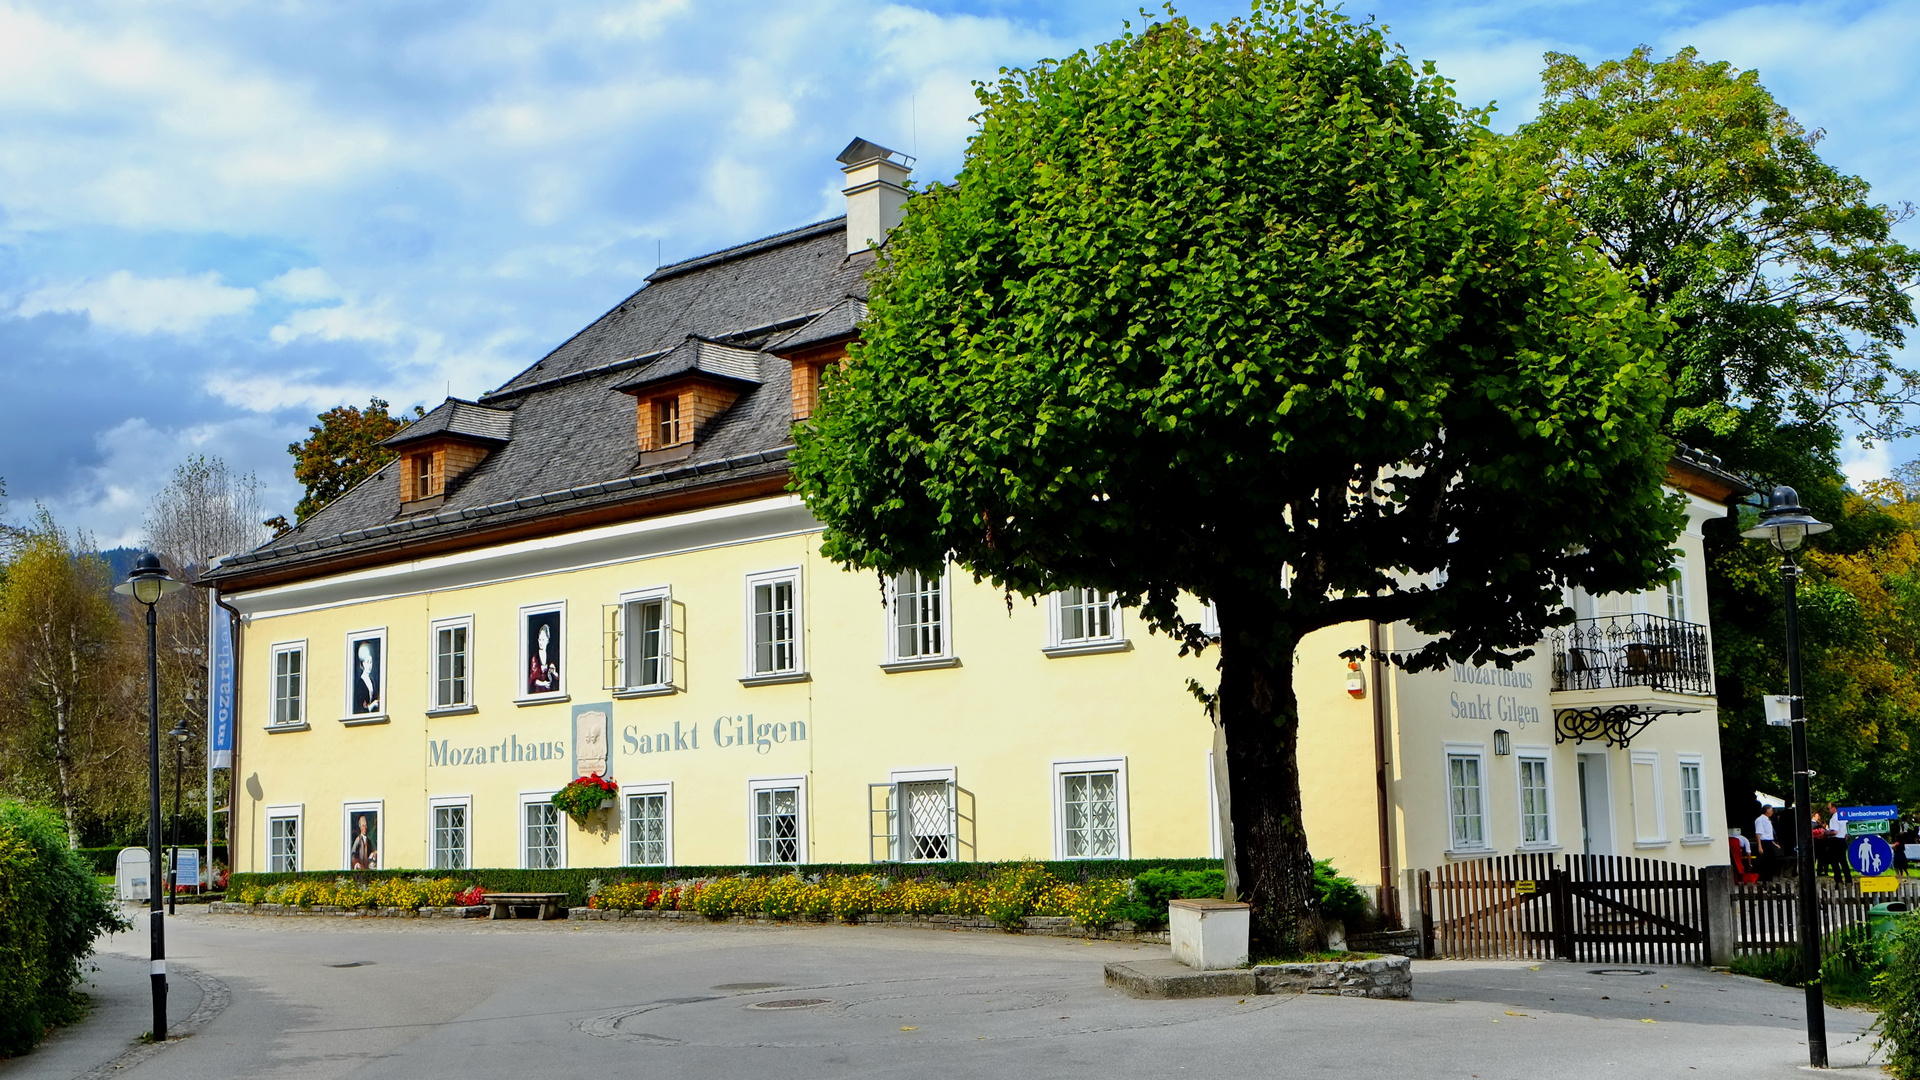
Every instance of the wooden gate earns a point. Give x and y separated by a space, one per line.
1597 908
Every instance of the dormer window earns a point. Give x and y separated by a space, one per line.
666 422
680 393
438 450
817 345
427 473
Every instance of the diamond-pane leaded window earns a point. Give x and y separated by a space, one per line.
926 828
776 825
647 830
283 851
450 838
1090 814
541 843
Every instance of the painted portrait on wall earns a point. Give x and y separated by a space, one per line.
366 674
541 663
593 739
363 838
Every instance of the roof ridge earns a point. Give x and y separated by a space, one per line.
750 247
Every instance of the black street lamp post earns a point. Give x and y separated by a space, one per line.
147 583
180 736
1786 525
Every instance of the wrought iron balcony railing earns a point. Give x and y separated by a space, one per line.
1619 651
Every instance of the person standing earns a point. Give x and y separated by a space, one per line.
1763 838
1834 850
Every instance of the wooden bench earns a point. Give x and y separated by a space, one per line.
546 905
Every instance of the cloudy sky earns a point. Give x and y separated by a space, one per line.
219 218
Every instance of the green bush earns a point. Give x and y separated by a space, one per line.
1897 990
1153 888
1340 898
1849 966
573 882
51 909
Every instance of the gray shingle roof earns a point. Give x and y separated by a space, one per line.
457 417
574 440
836 322
696 355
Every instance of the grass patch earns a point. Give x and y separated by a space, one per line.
1846 973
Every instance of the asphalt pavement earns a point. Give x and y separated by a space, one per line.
320 997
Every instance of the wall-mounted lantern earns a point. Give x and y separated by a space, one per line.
1356 681
1502 743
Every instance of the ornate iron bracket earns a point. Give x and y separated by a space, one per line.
1617 725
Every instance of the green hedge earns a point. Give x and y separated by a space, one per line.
1898 987
104 859
573 881
51 909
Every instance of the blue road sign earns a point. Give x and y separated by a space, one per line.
1869 856
1868 813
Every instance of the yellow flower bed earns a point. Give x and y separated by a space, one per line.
409 893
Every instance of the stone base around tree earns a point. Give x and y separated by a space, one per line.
1379 977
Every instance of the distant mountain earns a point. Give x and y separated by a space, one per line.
121 559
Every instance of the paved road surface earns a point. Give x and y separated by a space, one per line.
373 999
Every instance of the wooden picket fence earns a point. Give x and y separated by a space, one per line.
1767 913
1481 911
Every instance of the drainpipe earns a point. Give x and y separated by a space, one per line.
1383 802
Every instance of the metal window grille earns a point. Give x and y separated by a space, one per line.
283 850
1693 802
918 627
647 830
542 836
450 667
449 838
1536 823
1085 615
1090 805
1465 804
773 627
776 825
286 686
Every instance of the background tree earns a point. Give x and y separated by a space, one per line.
1789 302
70 736
1255 313
205 513
342 450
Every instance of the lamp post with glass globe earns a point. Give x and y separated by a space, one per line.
147 583
1786 525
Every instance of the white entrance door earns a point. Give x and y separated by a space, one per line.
1596 806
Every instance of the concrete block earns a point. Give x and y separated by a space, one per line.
1209 935
1171 979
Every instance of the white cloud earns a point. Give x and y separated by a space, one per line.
306 285
138 305
350 321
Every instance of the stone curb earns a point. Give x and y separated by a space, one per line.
1038 925
1380 977
231 908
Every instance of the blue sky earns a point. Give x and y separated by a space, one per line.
217 219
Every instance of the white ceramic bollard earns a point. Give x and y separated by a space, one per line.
1209 935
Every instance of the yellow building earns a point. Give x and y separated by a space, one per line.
596 568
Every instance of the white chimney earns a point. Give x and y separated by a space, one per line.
876 192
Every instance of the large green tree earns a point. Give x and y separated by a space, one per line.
1789 301
339 452
1257 313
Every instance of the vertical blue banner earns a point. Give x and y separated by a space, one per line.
220 688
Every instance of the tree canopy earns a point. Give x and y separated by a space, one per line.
1258 313
342 450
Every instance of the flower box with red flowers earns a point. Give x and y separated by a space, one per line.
586 795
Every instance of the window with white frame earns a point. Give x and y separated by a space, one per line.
283 839
1693 798
649 824
1676 590
777 809
290 683
917 618
1649 817
452 663
773 624
1090 809
542 839
1084 618
1466 799
645 647
1536 801
448 824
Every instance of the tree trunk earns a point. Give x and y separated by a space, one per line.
1261 719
